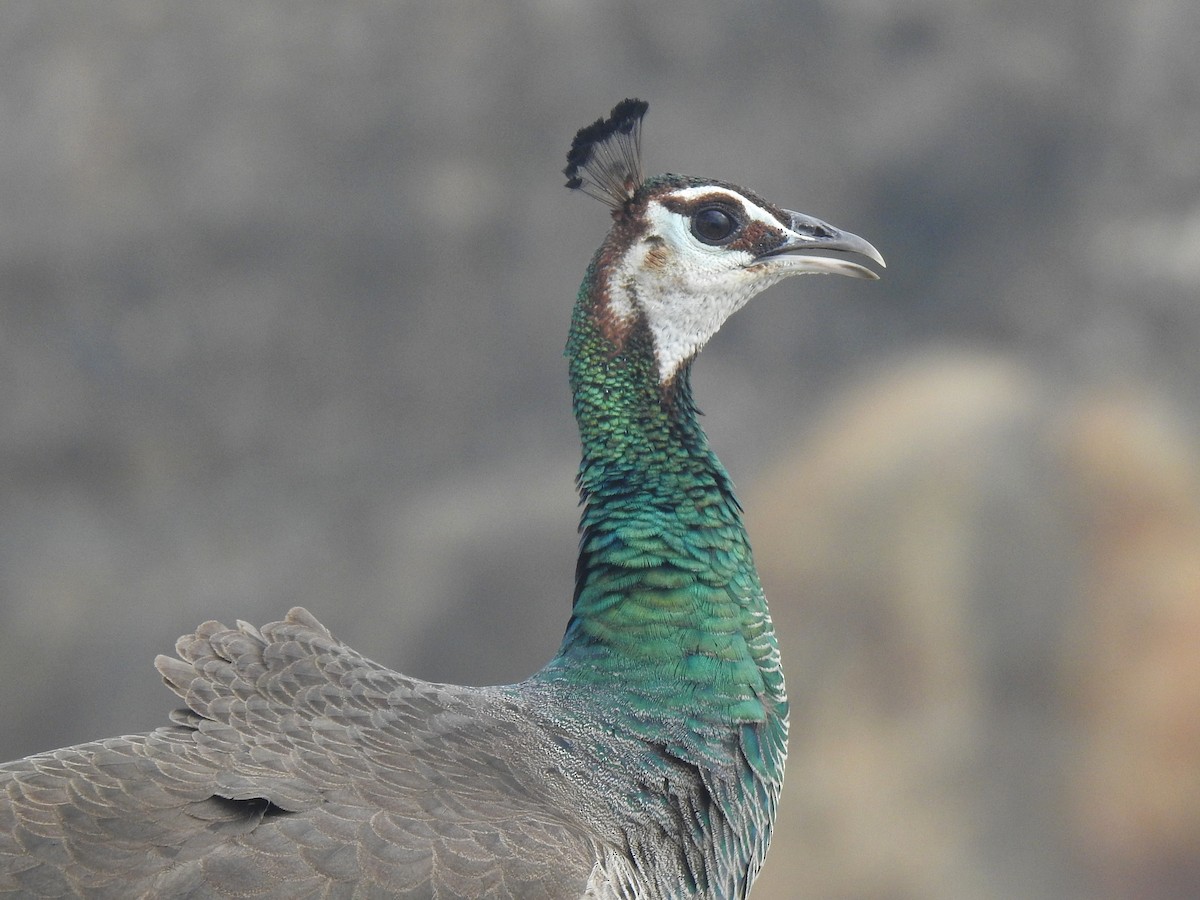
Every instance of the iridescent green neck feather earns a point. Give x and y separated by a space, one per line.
668 610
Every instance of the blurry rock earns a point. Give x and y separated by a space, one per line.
988 597
1137 678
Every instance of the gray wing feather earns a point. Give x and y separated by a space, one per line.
299 769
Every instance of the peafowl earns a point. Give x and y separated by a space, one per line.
645 760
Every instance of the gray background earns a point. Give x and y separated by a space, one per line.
283 291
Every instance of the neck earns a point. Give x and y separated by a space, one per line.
668 606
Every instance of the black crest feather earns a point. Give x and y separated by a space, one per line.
605 159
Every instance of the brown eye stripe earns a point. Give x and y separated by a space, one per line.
685 207
689 206
731 200
755 236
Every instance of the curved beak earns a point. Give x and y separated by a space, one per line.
806 233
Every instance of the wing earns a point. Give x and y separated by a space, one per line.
299 768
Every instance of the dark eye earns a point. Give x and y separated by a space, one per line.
713 225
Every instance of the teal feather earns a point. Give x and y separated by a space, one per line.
669 624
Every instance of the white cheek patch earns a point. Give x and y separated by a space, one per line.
684 288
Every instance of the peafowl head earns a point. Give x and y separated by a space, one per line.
685 253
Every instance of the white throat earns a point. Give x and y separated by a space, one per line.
685 289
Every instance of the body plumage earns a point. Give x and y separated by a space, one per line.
645 760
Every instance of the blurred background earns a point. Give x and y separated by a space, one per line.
283 292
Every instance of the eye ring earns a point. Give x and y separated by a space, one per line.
714 225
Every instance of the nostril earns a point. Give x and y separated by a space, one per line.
815 230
